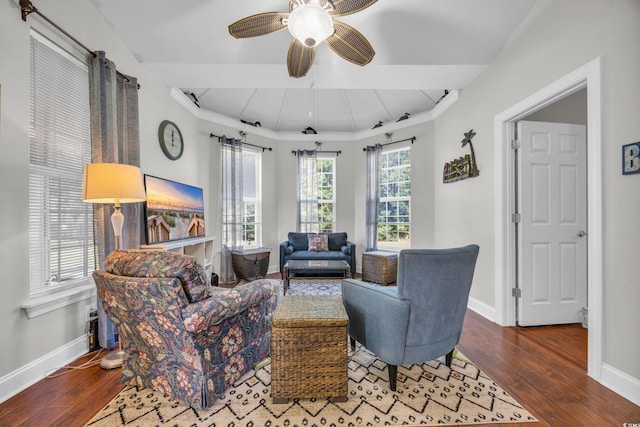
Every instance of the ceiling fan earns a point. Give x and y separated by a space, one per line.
310 22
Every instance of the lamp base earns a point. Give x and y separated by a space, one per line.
112 360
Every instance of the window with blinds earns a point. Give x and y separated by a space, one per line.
394 214
61 245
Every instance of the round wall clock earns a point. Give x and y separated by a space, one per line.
171 140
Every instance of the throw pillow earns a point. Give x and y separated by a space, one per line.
318 243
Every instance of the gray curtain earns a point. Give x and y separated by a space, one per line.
115 138
372 196
307 206
232 204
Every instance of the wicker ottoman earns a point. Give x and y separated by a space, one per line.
309 348
379 267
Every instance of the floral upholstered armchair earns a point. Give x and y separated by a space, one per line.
180 336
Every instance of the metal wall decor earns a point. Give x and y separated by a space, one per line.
462 167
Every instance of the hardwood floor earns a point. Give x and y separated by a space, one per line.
543 368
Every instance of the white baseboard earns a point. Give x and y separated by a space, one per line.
483 309
18 380
621 383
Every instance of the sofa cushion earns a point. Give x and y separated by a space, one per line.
186 268
309 255
299 241
337 241
318 243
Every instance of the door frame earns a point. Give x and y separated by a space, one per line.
587 76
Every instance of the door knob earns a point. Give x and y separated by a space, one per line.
582 233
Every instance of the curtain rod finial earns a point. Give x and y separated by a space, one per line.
27 9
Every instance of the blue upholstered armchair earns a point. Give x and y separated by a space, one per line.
420 319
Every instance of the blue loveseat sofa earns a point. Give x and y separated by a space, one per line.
296 247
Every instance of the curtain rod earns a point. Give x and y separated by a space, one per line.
27 8
412 139
337 152
242 142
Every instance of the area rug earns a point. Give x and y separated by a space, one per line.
427 394
308 286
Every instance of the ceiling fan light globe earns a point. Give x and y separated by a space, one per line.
310 24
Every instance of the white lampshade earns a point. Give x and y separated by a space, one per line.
111 183
310 24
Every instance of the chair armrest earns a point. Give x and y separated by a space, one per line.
377 318
226 303
352 263
283 247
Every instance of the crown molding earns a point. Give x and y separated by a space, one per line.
224 120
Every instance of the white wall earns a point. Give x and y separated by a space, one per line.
556 38
31 347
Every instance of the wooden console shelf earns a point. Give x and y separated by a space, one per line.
199 247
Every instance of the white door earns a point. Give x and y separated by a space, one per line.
552 197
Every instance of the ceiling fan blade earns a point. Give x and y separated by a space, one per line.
299 58
258 25
347 42
347 7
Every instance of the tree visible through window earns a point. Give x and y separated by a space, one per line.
251 199
326 195
394 213
242 219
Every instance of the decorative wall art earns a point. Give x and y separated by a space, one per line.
462 167
631 158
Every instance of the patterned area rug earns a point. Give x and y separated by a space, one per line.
427 394
315 287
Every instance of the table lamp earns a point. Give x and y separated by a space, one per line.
113 183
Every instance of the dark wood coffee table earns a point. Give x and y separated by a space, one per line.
293 266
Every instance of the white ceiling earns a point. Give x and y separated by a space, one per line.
422 48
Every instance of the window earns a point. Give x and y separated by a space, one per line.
61 245
251 198
394 214
246 223
325 169
317 198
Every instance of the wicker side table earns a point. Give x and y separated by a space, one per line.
379 267
309 348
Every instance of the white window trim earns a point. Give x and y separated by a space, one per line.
48 300
59 298
333 158
394 199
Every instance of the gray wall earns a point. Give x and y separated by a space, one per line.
556 38
572 109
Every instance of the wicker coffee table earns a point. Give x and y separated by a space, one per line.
317 266
309 348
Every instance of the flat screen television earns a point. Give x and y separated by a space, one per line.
173 210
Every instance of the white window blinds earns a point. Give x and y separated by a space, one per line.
61 246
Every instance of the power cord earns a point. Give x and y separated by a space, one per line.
89 363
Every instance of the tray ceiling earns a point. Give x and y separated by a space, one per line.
423 47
